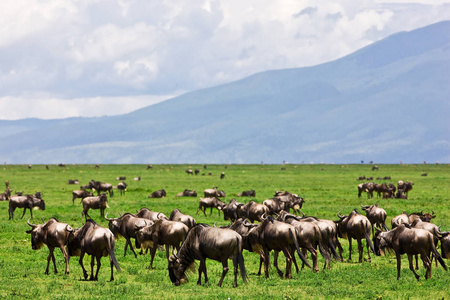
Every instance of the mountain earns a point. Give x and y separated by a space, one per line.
387 102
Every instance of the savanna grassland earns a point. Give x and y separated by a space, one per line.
327 189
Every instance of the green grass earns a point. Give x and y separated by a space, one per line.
327 189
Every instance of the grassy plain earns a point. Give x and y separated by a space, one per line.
327 189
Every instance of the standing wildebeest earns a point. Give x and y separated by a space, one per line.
177 215
284 201
400 219
222 175
253 211
95 241
125 226
6 195
121 178
158 194
355 226
187 193
53 234
368 187
99 202
162 232
80 194
204 242
250 193
150 215
213 193
122 187
230 210
204 203
411 241
189 172
445 245
278 236
376 215
27 201
101 187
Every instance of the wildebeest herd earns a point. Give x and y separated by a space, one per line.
278 230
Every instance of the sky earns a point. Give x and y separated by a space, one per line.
69 58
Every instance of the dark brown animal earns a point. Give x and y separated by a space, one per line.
101 187
366 187
99 202
253 211
158 194
177 215
212 202
213 193
204 242
122 187
189 172
400 219
250 193
54 234
187 193
162 232
376 215
73 181
411 241
6 195
230 210
80 194
96 241
150 215
355 226
445 245
25 202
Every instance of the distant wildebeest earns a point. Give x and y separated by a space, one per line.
210 202
189 172
149 167
162 232
284 201
99 202
203 242
361 178
101 187
61 165
80 194
121 178
54 234
375 168
355 226
230 210
368 187
150 215
196 171
27 201
177 215
122 187
411 241
424 174
253 211
222 175
404 186
250 193
6 195
96 241
187 193
73 181
214 192
158 194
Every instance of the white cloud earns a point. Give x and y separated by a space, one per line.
85 49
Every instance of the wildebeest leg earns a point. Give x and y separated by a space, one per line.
66 258
52 257
275 263
399 264
92 267
338 244
152 255
98 266
210 212
261 261
235 265
368 252
417 261
349 248
411 267
202 269
128 242
225 271
288 256
427 263
360 250
80 261
24 210
266 263
313 256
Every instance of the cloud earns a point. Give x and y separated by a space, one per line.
115 48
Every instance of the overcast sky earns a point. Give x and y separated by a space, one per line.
62 58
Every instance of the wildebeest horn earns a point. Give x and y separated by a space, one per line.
32 225
106 218
43 221
263 216
68 228
432 212
302 214
215 223
378 229
138 227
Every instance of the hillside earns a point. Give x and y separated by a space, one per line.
387 102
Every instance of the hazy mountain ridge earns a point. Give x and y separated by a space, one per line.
386 102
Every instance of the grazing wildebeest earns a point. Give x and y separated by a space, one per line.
96 241
361 178
222 175
162 232
253 211
99 202
196 171
284 201
158 194
187 193
122 187
411 241
177 215
121 178
53 234
150 215
80 194
355 226
375 168
230 210
73 181
101 187
213 193
213 202
125 226
404 187
27 201
376 215
366 187
6 195
204 242
278 236
149 167
189 172
250 193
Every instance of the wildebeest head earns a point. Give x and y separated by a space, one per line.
114 225
37 235
176 271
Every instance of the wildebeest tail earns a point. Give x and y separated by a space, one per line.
369 241
323 248
240 260
300 254
333 248
112 257
436 253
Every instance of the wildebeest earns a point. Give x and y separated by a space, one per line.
73 181
189 172
222 175
53 234
125 226
404 186
101 187
162 232
355 226
411 241
121 178
96 241
6 195
375 168
27 201
213 193
158 194
122 187
99 202
203 242
284 201
403 218
150 215
376 215
80 194
366 187
177 215
187 193
249 193
230 210
445 245
212 202
280 237
253 211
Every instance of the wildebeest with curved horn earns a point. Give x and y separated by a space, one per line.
177 215
213 202
253 211
150 215
162 232
54 234
202 242
355 226
96 241
411 241
376 215
99 202
27 201
125 226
